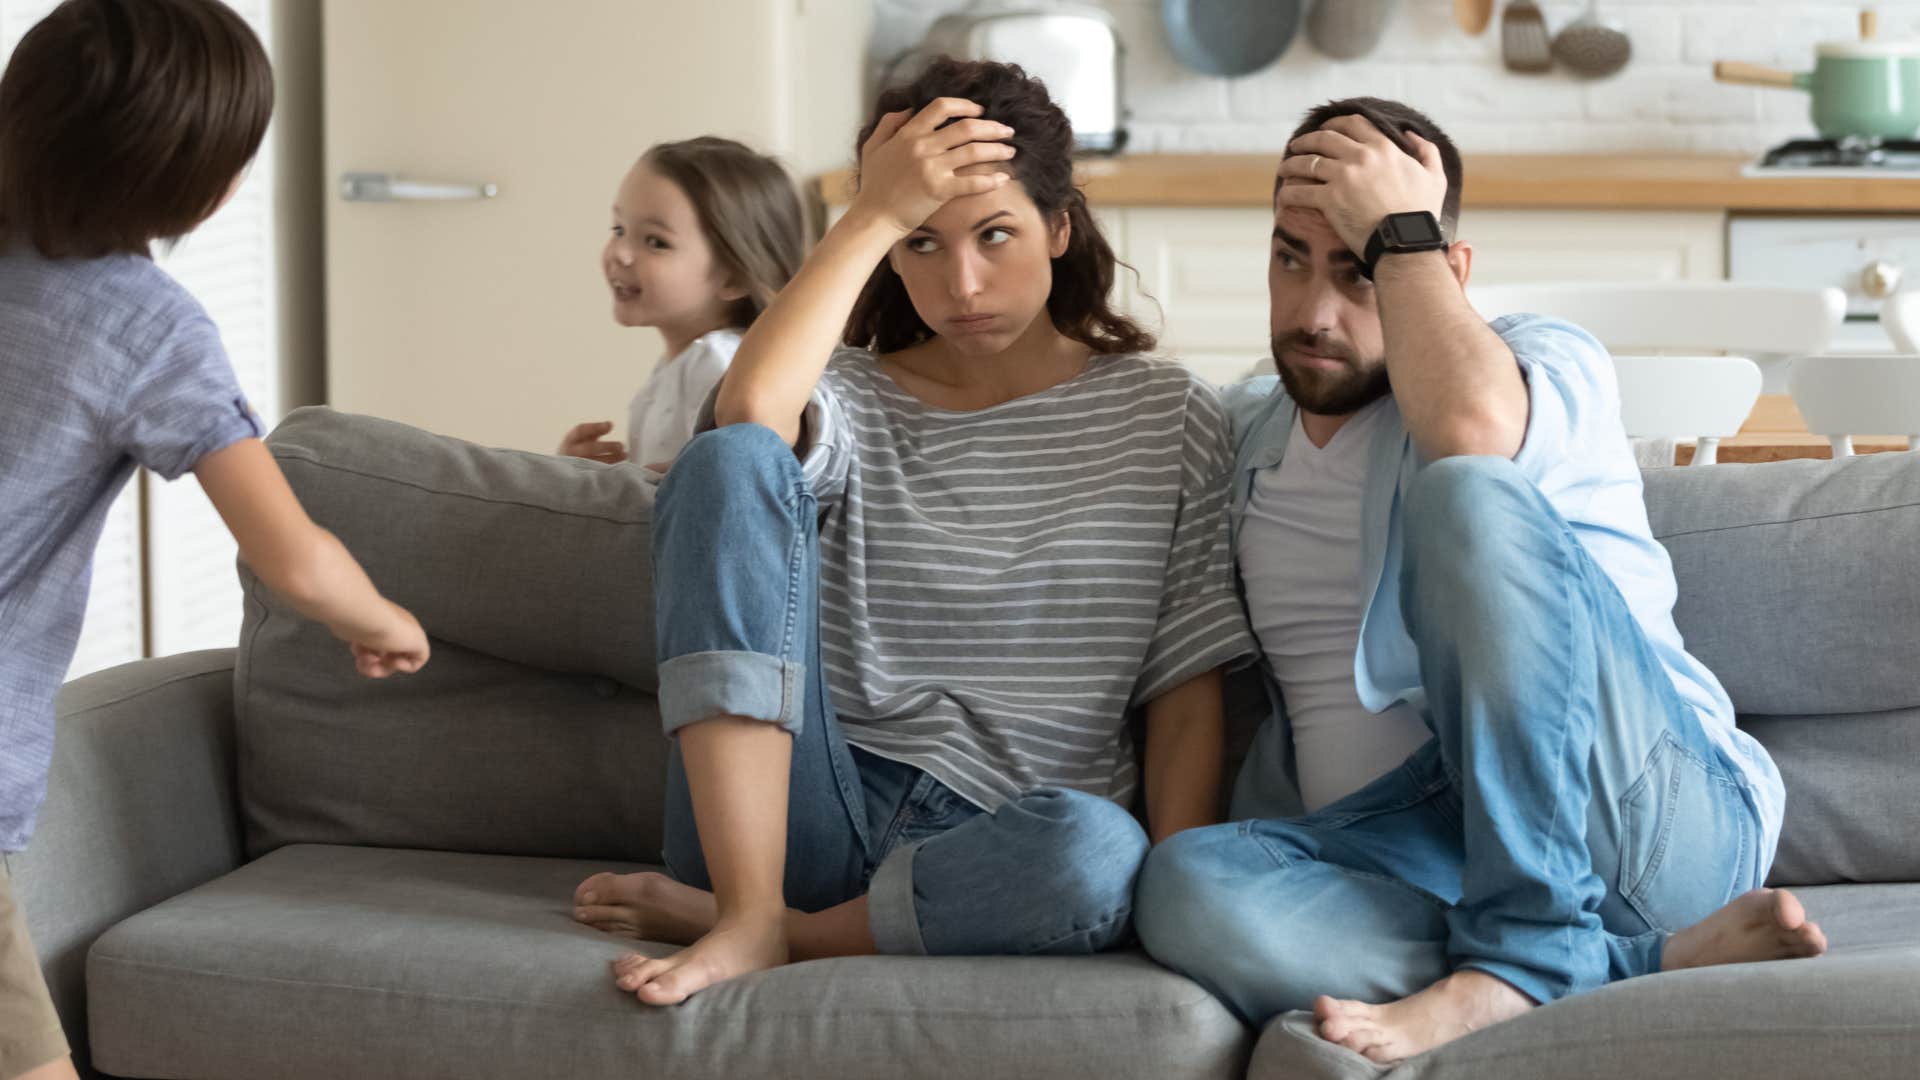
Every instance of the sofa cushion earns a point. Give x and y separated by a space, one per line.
538 559
1852 814
329 961
1799 580
1849 1013
472 753
529 731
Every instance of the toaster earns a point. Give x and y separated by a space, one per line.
1070 47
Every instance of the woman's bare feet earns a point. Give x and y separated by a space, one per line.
1765 924
1462 1002
733 948
645 906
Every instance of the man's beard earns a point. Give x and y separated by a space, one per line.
1329 393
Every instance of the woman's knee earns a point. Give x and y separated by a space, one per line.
1092 846
731 460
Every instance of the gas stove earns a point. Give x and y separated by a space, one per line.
1891 158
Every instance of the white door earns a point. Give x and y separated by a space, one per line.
489 319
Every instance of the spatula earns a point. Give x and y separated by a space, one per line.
1524 43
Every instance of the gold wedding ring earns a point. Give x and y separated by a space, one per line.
1313 170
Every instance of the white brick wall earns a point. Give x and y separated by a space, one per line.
1665 99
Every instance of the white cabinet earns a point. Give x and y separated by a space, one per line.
1595 245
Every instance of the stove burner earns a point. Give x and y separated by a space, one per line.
1848 153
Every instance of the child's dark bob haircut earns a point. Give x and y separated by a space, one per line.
123 122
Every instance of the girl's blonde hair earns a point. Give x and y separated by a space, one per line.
749 210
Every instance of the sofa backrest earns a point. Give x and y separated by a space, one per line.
1800 588
533 730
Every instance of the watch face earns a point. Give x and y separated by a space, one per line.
1418 227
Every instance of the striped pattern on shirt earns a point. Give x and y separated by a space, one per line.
998 587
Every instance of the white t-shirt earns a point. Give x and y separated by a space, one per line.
1299 551
661 417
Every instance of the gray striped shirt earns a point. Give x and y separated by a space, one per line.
998 587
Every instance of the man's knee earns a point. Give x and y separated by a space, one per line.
1212 905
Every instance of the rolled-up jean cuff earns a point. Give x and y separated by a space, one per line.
1543 990
890 915
704 685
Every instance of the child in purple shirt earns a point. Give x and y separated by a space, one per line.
126 122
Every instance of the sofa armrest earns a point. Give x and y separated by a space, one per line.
141 806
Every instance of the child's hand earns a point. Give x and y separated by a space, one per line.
583 441
398 646
911 165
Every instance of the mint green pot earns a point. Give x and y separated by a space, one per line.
1863 96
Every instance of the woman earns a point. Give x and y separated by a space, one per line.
908 589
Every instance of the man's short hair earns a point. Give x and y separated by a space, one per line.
1395 121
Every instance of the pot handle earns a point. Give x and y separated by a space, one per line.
1735 71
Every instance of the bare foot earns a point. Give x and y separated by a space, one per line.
1462 1002
732 949
646 906
1765 924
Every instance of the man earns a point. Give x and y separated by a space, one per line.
1494 777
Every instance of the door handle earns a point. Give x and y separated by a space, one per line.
387 187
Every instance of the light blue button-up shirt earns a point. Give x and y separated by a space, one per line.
1576 452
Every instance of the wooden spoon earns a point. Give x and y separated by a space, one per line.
1472 15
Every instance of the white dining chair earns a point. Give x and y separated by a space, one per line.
1692 356
1842 396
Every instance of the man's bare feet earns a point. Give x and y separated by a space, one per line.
732 949
1765 924
646 906
1462 1002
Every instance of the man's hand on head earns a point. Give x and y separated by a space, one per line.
1355 177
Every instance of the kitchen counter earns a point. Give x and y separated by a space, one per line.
1498 181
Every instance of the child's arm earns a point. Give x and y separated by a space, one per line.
304 563
1186 736
908 170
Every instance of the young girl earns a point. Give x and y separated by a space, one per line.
909 590
127 122
705 232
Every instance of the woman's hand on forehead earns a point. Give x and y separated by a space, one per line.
915 163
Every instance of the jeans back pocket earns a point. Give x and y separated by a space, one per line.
1687 837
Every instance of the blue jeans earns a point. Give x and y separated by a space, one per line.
1567 815
736 569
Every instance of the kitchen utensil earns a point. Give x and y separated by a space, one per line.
1866 89
1347 29
1592 46
1473 15
1071 47
1524 44
1229 37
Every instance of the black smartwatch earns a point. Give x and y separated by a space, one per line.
1398 234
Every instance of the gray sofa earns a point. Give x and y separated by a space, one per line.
253 865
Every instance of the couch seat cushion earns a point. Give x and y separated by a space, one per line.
323 961
1851 1013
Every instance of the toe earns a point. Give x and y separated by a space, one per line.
670 988
1788 914
635 976
589 890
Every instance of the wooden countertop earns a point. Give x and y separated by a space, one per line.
1496 181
